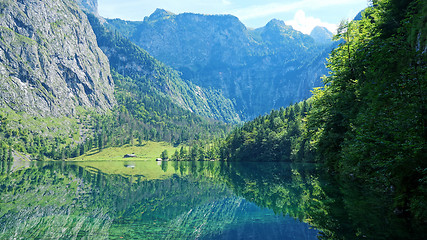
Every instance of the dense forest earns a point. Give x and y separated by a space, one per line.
369 120
278 136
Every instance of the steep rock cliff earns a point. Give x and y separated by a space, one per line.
50 62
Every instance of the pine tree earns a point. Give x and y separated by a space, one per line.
164 155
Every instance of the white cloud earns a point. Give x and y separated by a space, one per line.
256 11
305 24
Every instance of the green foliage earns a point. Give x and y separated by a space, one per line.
278 136
370 118
164 155
199 151
40 138
147 115
369 121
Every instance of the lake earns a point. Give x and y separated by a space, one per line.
189 200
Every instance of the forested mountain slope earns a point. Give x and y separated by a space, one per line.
369 120
278 136
260 69
153 102
153 77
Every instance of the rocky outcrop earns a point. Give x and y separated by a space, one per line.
50 62
89 5
260 69
194 40
321 35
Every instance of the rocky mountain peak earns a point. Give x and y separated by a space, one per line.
277 34
89 5
321 35
277 28
159 14
276 23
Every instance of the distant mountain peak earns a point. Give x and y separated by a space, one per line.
277 26
320 29
159 14
276 23
321 35
89 5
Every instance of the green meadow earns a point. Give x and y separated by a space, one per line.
144 151
144 165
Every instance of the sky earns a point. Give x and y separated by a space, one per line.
303 15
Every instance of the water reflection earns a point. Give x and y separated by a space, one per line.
190 200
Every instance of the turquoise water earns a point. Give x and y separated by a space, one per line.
188 200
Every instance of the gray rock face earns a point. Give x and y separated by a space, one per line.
49 59
194 40
89 5
258 69
321 35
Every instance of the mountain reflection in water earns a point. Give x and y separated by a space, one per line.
187 200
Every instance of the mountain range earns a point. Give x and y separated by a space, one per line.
259 69
53 60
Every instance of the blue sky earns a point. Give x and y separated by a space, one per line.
303 15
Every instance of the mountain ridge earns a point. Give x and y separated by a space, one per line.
131 61
259 69
321 35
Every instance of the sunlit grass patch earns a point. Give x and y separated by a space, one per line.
145 151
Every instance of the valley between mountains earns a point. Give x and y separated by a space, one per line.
92 111
177 78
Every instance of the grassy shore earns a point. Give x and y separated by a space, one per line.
145 151
112 160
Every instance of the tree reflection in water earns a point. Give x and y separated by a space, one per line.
198 200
